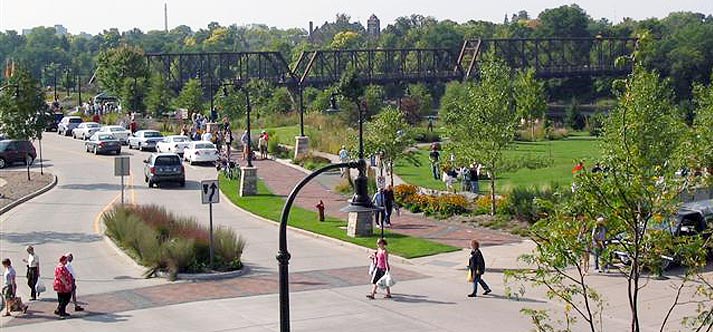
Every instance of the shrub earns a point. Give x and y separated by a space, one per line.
444 206
312 162
523 203
556 134
422 135
482 204
164 242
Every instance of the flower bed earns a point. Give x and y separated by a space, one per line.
164 242
443 206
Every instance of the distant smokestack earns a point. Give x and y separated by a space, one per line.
311 29
165 16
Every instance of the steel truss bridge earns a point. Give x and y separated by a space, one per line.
549 57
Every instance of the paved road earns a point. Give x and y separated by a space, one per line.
328 281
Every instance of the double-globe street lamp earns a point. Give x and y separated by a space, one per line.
359 203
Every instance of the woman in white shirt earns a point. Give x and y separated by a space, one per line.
33 271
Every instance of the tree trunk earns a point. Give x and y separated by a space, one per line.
492 193
391 171
532 124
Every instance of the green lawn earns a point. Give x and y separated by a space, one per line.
269 206
564 154
285 135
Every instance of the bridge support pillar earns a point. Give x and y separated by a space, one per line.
301 146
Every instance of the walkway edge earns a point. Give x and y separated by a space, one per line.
338 242
28 197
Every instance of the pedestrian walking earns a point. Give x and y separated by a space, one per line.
262 144
476 269
389 201
382 267
464 175
70 268
343 158
378 201
63 286
244 141
599 237
9 288
33 271
435 158
474 176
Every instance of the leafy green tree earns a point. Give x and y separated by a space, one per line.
347 40
191 97
374 96
421 94
563 21
158 99
530 98
637 196
389 134
703 130
22 107
230 103
482 123
116 65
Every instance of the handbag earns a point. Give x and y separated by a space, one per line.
470 277
372 267
386 281
40 286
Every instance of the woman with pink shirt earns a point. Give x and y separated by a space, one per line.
381 257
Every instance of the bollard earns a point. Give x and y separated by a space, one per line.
320 208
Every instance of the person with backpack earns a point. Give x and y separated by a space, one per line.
476 269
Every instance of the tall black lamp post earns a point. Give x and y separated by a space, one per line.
249 108
359 203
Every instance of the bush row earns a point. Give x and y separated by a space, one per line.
442 206
164 242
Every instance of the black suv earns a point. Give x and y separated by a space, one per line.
164 167
13 151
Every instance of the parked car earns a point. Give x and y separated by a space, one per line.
103 143
121 133
200 152
85 130
53 121
13 151
174 143
144 139
164 167
67 124
692 219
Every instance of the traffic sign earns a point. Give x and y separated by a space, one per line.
121 166
210 192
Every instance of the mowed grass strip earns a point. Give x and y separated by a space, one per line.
563 154
269 206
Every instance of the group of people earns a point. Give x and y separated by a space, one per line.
385 201
65 283
468 176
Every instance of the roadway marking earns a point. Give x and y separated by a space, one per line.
97 219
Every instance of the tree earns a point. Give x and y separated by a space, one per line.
158 99
389 134
191 97
530 98
703 130
22 107
637 195
123 71
482 123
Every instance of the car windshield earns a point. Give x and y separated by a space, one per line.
152 134
205 146
75 120
93 125
180 139
106 137
116 129
167 161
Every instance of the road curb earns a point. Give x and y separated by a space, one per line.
29 196
396 258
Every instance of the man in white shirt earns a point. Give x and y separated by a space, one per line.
69 266
33 271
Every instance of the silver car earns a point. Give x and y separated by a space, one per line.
67 124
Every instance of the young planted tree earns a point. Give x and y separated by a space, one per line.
482 122
530 100
637 195
389 134
191 97
22 107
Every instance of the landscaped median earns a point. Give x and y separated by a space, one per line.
170 244
269 206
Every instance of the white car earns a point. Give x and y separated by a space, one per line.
85 130
175 144
200 152
144 139
121 133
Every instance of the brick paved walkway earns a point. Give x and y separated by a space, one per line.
281 179
111 303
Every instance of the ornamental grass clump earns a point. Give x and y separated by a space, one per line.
165 242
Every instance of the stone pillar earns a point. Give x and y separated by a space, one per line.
301 146
360 224
248 181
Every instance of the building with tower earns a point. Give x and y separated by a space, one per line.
373 27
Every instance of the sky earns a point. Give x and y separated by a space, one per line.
94 16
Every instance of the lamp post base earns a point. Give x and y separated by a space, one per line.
360 224
301 146
248 181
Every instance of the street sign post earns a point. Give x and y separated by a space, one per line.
210 193
122 167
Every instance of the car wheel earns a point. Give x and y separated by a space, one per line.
2 163
118 152
182 183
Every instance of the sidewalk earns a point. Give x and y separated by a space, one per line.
280 179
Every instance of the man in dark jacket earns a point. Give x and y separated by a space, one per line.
476 264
